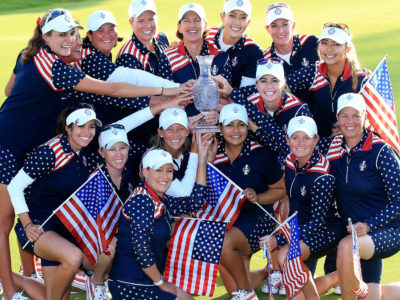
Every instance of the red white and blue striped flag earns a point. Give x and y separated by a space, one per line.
378 96
224 198
294 275
194 255
91 215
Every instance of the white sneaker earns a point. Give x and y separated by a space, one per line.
36 277
94 291
337 290
1 288
17 296
242 294
275 279
265 288
107 293
282 290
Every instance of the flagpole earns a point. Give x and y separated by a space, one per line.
190 218
241 190
54 211
281 225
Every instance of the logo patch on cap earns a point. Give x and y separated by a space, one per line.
175 113
349 97
144 2
87 111
114 131
239 3
269 66
235 110
277 11
301 121
164 154
102 15
331 30
77 121
191 5
67 18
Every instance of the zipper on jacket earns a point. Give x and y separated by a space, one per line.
291 186
348 159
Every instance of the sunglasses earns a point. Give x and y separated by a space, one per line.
264 61
54 14
277 4
108 127
81 105
337 25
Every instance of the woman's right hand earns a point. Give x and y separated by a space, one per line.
33 232
169 288
204 141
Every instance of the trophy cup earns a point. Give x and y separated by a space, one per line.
206 96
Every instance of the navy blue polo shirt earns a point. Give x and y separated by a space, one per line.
28 116
322 101
256 167
243 55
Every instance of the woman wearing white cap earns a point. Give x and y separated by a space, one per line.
256 170
364 167
145 228
54 171
242 50
179 62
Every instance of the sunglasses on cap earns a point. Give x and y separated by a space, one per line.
337 25
56 13
264 61
108 127
277 4
81 105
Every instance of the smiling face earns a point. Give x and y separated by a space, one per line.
351 123
281 31
116 156
332 52
60 42
144 26
80 136
192 27
160 179
270 89
302 146
105 38
235 133
75 54
235 24
174 138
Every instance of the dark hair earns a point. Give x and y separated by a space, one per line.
62 117
86 42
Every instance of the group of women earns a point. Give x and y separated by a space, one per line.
294 108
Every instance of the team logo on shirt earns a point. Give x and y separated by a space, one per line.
278 11
239 3
214 70
234 61
303 191
305 62
130 188
331 30
284 128
363 166
246 169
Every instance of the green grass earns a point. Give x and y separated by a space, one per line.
374 24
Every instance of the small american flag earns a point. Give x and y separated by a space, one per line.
224 198
378 96
91 215
194 255
294 275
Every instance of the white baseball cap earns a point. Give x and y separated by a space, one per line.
232 112
270 67
59 20
336 34
278 11
304 124
112 134
171 116
81 116
99 18
197 8
137 7
243 5
353 100
156 158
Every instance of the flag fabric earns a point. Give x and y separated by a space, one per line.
91 215
224 198
194 254
294 275
378 96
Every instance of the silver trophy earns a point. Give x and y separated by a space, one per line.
206 96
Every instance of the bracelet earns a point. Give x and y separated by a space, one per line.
162 91
27 225
158 283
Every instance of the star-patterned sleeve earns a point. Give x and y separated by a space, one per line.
183 205
301 79
242 92
98 66
65 76
303 111
39 162
165 70
129 61
388 164
140 210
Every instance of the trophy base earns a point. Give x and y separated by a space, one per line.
206 128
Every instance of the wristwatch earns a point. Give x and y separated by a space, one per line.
158 283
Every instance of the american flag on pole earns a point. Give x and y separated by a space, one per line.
294 275
194 255
378 96
224 198
91 215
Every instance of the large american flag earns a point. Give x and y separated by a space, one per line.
378 96
224 198
294 275
194 255
91 215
